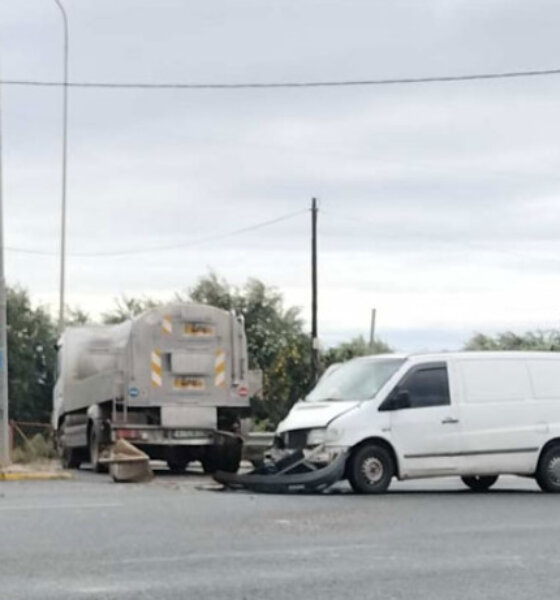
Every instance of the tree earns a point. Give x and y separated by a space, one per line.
531 340
127 308
31 358
355 347
276 341
76 317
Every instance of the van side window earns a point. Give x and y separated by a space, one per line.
427 387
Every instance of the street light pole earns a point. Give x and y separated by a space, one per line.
64 178
4 415
315 357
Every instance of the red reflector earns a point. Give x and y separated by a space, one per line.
127 434
243 392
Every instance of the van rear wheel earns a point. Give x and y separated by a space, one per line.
480 483
371 470
548 473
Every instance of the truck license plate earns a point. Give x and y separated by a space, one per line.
185 435
198 330
189 383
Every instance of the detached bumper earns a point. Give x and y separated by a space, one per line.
290 474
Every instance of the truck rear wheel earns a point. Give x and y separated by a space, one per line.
225 458
177 466
94 450
70 458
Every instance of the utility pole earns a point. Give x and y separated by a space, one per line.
64 177
4 416
372 329
315 359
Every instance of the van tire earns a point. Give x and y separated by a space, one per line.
370 470
480 483
548 472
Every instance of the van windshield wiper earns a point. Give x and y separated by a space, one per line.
327 399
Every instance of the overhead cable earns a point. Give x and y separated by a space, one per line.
284 84
164 248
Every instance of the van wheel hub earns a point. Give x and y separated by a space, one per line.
372 469
554 470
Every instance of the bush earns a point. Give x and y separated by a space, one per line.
38 447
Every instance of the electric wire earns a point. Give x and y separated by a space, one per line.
286 84
163 248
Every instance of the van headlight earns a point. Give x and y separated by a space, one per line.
315 437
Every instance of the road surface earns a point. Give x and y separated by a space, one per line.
179 537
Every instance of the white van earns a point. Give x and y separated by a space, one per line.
475 415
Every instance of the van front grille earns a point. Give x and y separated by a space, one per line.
296 439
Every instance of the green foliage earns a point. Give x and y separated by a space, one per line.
215 291
277 344
276 341
356 347
531 340
126 308
31 358
76 317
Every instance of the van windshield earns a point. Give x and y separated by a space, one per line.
354 380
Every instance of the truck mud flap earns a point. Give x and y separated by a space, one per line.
292 474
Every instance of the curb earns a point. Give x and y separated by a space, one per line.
35 476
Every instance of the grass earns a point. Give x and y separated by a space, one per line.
36 448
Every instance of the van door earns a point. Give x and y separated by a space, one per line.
502 426
425 425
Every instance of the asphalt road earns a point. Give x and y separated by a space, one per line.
176 537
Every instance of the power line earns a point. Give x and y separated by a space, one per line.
285 84
165 248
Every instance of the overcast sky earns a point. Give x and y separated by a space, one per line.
439 203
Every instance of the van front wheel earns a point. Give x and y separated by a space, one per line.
479 483
371 470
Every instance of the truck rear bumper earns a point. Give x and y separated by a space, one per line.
147 435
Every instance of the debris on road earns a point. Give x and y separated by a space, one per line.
127 464
289 474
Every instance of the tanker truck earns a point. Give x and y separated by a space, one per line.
172 381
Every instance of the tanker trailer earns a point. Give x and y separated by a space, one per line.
172 381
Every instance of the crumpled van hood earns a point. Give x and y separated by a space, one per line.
311 415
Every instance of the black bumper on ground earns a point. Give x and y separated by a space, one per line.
293 473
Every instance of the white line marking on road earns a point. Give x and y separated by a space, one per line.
59 507
273 552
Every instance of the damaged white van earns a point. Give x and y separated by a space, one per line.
476 415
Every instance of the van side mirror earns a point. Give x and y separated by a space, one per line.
398 400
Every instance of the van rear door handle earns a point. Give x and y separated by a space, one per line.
449 421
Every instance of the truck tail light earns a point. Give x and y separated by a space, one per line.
243 392
127 434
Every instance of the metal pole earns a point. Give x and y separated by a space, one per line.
5 458
315 360
64 162
372 330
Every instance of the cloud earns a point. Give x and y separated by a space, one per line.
439 204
